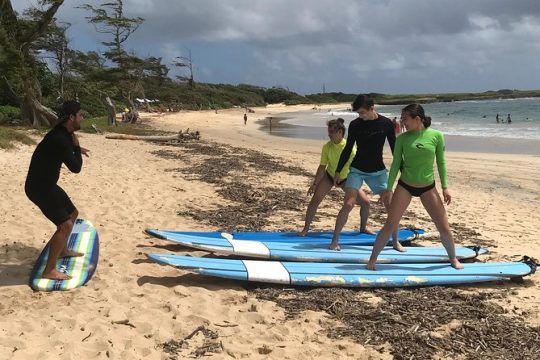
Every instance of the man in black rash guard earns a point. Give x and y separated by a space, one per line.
59 146
369 132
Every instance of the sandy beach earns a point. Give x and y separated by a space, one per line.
134 308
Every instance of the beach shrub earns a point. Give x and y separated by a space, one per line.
10 136
9 114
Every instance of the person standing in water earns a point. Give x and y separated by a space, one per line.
59 146
324 177
415 152
369 132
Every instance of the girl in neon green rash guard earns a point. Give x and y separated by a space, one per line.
415 151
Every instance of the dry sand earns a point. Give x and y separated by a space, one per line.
124 188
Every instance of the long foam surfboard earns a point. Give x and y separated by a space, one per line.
83 238
347 275
346 237
321 253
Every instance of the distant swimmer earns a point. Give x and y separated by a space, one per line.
497 118
508 119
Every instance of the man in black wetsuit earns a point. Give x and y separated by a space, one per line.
59 146
369 132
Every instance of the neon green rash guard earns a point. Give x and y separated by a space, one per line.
418 150
330 157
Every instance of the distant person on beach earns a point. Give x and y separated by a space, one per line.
245 119
414 153
369 132
324 177
508 119
270 123
397 126
59 146
497 118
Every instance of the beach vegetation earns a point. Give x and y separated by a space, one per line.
10 136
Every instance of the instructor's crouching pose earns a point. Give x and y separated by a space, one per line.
415 150
59 146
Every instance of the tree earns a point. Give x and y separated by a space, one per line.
17 36
109 18
141 71
186 62
55 44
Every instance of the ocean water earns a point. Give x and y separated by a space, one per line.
462 118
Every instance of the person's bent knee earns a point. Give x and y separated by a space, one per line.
362 202
316 200
66 226
75 214
348 205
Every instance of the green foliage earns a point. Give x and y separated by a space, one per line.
121 128
279 95
9 114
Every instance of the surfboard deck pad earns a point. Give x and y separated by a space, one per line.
83 238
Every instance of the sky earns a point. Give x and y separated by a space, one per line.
352 46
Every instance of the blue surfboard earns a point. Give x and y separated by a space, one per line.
320 252
346 237
347 275
84 239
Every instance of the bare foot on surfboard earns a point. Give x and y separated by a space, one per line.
367 230
70 253
370 266
302 233
397 246
55 275
456 264
334 246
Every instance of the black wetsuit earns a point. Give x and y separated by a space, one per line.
55 149
369 136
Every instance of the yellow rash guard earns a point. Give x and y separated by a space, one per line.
330 157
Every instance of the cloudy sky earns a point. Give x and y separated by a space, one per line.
388 46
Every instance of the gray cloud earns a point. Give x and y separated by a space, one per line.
352 45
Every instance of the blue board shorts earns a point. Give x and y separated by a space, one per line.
376 181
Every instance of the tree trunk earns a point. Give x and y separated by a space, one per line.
37 114
31 108
111 112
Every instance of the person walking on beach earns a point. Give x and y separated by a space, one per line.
397 126
59 146
415 152
324 177
369 132
508 119
245 119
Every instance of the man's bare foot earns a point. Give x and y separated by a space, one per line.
456 264
303 232
70 253
368 230
398 247
55 275
334 246
370 265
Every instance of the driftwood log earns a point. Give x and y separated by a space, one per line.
194 135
